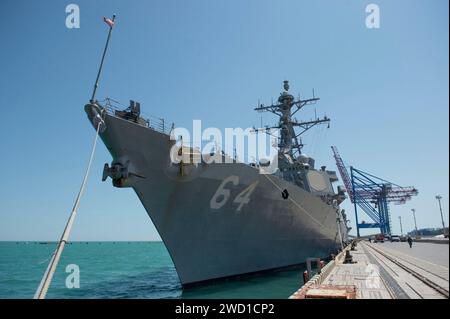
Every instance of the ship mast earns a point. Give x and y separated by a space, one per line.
286 107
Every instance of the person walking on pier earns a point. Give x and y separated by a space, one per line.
410 241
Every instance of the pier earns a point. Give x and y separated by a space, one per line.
389 270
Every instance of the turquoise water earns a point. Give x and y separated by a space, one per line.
122 270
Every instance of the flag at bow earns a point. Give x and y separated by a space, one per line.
108 21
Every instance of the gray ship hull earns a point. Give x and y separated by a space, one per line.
267 232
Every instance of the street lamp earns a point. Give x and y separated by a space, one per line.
401 228
439 197
415 223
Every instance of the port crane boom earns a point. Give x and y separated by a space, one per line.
372 195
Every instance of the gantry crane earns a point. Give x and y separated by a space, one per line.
372 195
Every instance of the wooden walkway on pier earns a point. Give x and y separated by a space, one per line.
384 271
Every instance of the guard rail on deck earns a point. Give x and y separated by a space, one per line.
152 122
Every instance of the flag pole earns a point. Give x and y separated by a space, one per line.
103 58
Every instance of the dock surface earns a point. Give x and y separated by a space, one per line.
385 271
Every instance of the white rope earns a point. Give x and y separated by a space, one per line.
48 275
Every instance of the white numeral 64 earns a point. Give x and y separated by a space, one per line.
222 194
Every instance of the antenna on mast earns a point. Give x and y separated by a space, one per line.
285 109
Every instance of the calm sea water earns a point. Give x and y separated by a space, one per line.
122 270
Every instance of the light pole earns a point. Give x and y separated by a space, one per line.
439 197
415 223
401 228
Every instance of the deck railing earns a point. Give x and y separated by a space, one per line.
113 107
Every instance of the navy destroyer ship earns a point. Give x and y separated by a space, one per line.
221 220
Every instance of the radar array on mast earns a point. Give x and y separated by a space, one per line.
286 108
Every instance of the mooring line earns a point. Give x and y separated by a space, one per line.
48 275
298 205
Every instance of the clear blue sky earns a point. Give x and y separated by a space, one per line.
386 91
